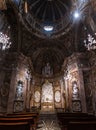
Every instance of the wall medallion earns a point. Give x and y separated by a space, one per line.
57 96
37 96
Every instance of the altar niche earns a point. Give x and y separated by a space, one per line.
47 97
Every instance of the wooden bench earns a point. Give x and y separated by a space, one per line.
19 120
14 126
82 125
65 119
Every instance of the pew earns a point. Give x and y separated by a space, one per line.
14 126
19 121
66 119
82 125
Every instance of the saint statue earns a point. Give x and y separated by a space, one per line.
47 70
19 90
75 91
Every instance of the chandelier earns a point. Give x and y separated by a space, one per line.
90 42
4 41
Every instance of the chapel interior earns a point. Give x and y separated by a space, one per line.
48 63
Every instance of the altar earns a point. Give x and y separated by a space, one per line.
47 106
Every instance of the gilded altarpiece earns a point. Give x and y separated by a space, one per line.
47 97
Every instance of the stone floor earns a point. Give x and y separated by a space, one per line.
48 121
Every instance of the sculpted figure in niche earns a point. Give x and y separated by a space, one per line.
75 90
47 70
19 90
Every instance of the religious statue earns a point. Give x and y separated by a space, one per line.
19 91
75 91
47 70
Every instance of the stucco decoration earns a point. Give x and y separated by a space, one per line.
37 96
57 96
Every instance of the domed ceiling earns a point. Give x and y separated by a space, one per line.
46 18
49 10
40 45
